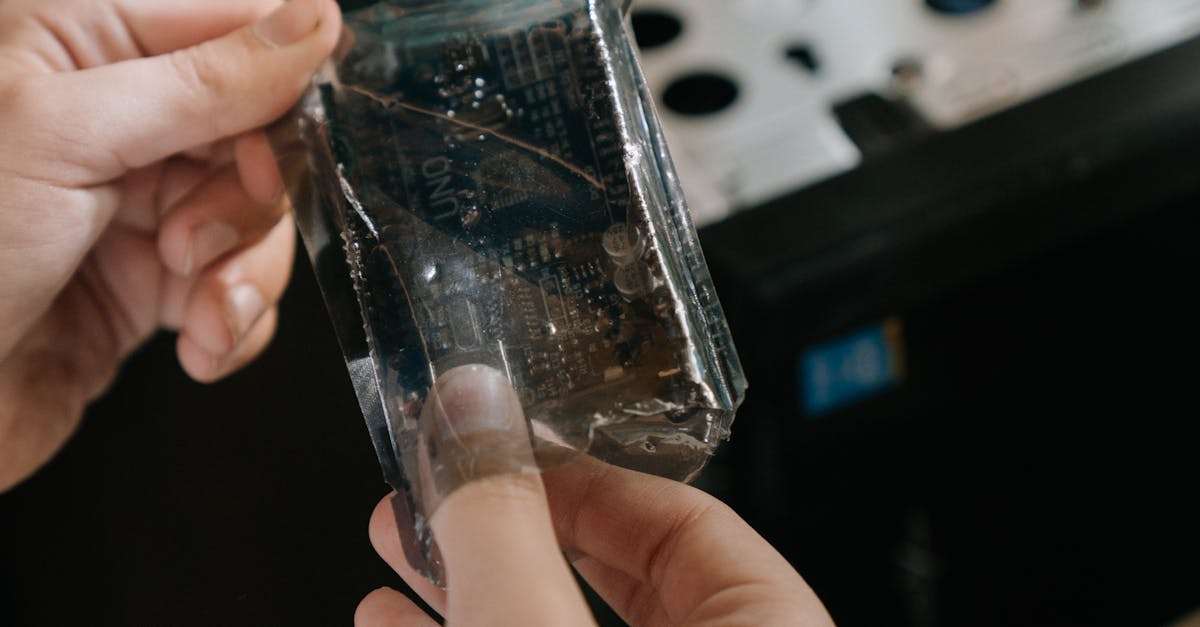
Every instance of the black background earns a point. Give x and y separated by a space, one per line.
243 502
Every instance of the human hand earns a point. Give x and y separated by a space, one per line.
659 552
138 192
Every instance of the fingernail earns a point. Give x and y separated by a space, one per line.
289 23
198 361
244 304
472 400
472 427
207 243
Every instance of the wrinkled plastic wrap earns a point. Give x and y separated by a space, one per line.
487 183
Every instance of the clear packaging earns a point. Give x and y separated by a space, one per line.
487 183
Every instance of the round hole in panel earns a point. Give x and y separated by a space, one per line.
700 93
654 27
958 7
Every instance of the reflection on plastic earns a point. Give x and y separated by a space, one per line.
485 183
472 427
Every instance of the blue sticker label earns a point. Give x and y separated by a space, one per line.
851 368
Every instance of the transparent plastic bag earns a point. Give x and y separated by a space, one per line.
487 183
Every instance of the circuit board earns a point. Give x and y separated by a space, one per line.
497 223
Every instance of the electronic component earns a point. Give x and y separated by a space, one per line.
496 177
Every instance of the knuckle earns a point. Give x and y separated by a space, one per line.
195 69
524 489
692 511
205 81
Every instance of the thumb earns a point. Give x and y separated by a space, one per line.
139 111
503 564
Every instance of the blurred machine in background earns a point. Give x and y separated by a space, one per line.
957 243
956 240
764 97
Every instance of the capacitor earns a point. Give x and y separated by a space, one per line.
624 243
632 281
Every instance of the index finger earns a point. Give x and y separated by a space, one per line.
651 533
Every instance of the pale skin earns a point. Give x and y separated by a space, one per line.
138 193
657 551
